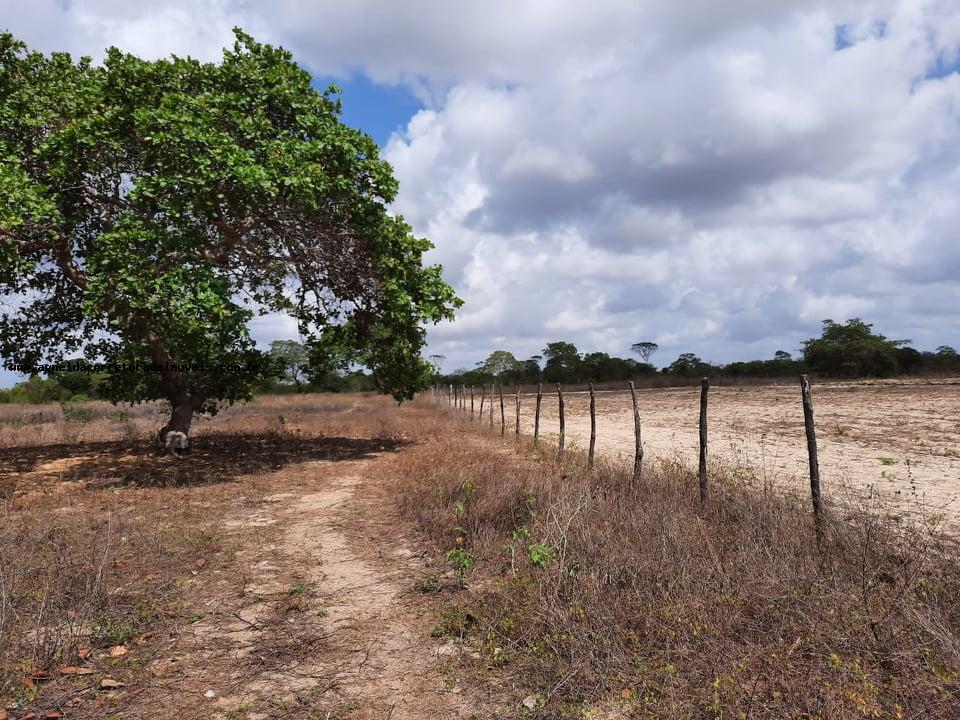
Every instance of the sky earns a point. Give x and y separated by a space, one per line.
717 178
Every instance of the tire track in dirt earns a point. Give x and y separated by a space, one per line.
379 660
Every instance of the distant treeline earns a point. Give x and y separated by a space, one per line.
844 350
847 350
294 373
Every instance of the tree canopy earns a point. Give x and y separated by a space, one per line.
293 358
645 349
150 209
852 349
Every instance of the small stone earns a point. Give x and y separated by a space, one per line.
210 694
530 702
448 650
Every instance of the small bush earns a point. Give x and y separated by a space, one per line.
75 413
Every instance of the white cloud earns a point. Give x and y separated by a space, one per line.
716 177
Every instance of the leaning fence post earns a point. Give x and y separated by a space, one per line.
483 394
702 474
638 446
593 426
560 397
503 419
812 454
536 419
517 433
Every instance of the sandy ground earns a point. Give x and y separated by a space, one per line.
376 659
312 612
897 439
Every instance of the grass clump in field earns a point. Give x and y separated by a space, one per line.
610 601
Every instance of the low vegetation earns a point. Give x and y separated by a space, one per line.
596 598
573 593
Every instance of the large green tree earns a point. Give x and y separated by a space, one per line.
563 362
149 209
852 349
500 364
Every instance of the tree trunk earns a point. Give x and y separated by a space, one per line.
182 408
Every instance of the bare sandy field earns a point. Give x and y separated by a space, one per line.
897 440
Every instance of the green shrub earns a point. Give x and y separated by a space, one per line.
75 413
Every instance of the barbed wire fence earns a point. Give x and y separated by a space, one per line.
456 396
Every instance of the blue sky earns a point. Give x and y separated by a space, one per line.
379 110
717 181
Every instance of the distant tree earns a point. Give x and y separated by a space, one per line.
531 371
782 355
436 361
943 360
645 350
36 391
689 365
78 377
500 363
909 359
852 349
601 367
563 362
293 358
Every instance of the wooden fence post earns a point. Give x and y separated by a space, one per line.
812 455
450 395
471 402
702 474
536 419
463 398
517 433
503 418
492 390
483 395
593 426
560 397
638 446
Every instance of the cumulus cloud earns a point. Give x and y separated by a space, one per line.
716 177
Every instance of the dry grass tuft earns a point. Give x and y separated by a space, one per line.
595 599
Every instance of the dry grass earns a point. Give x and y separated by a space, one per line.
594 599
103 571
582 597
104 544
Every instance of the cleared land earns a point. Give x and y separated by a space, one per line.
337 557
264 576
900 440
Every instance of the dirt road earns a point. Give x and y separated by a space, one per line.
332 538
